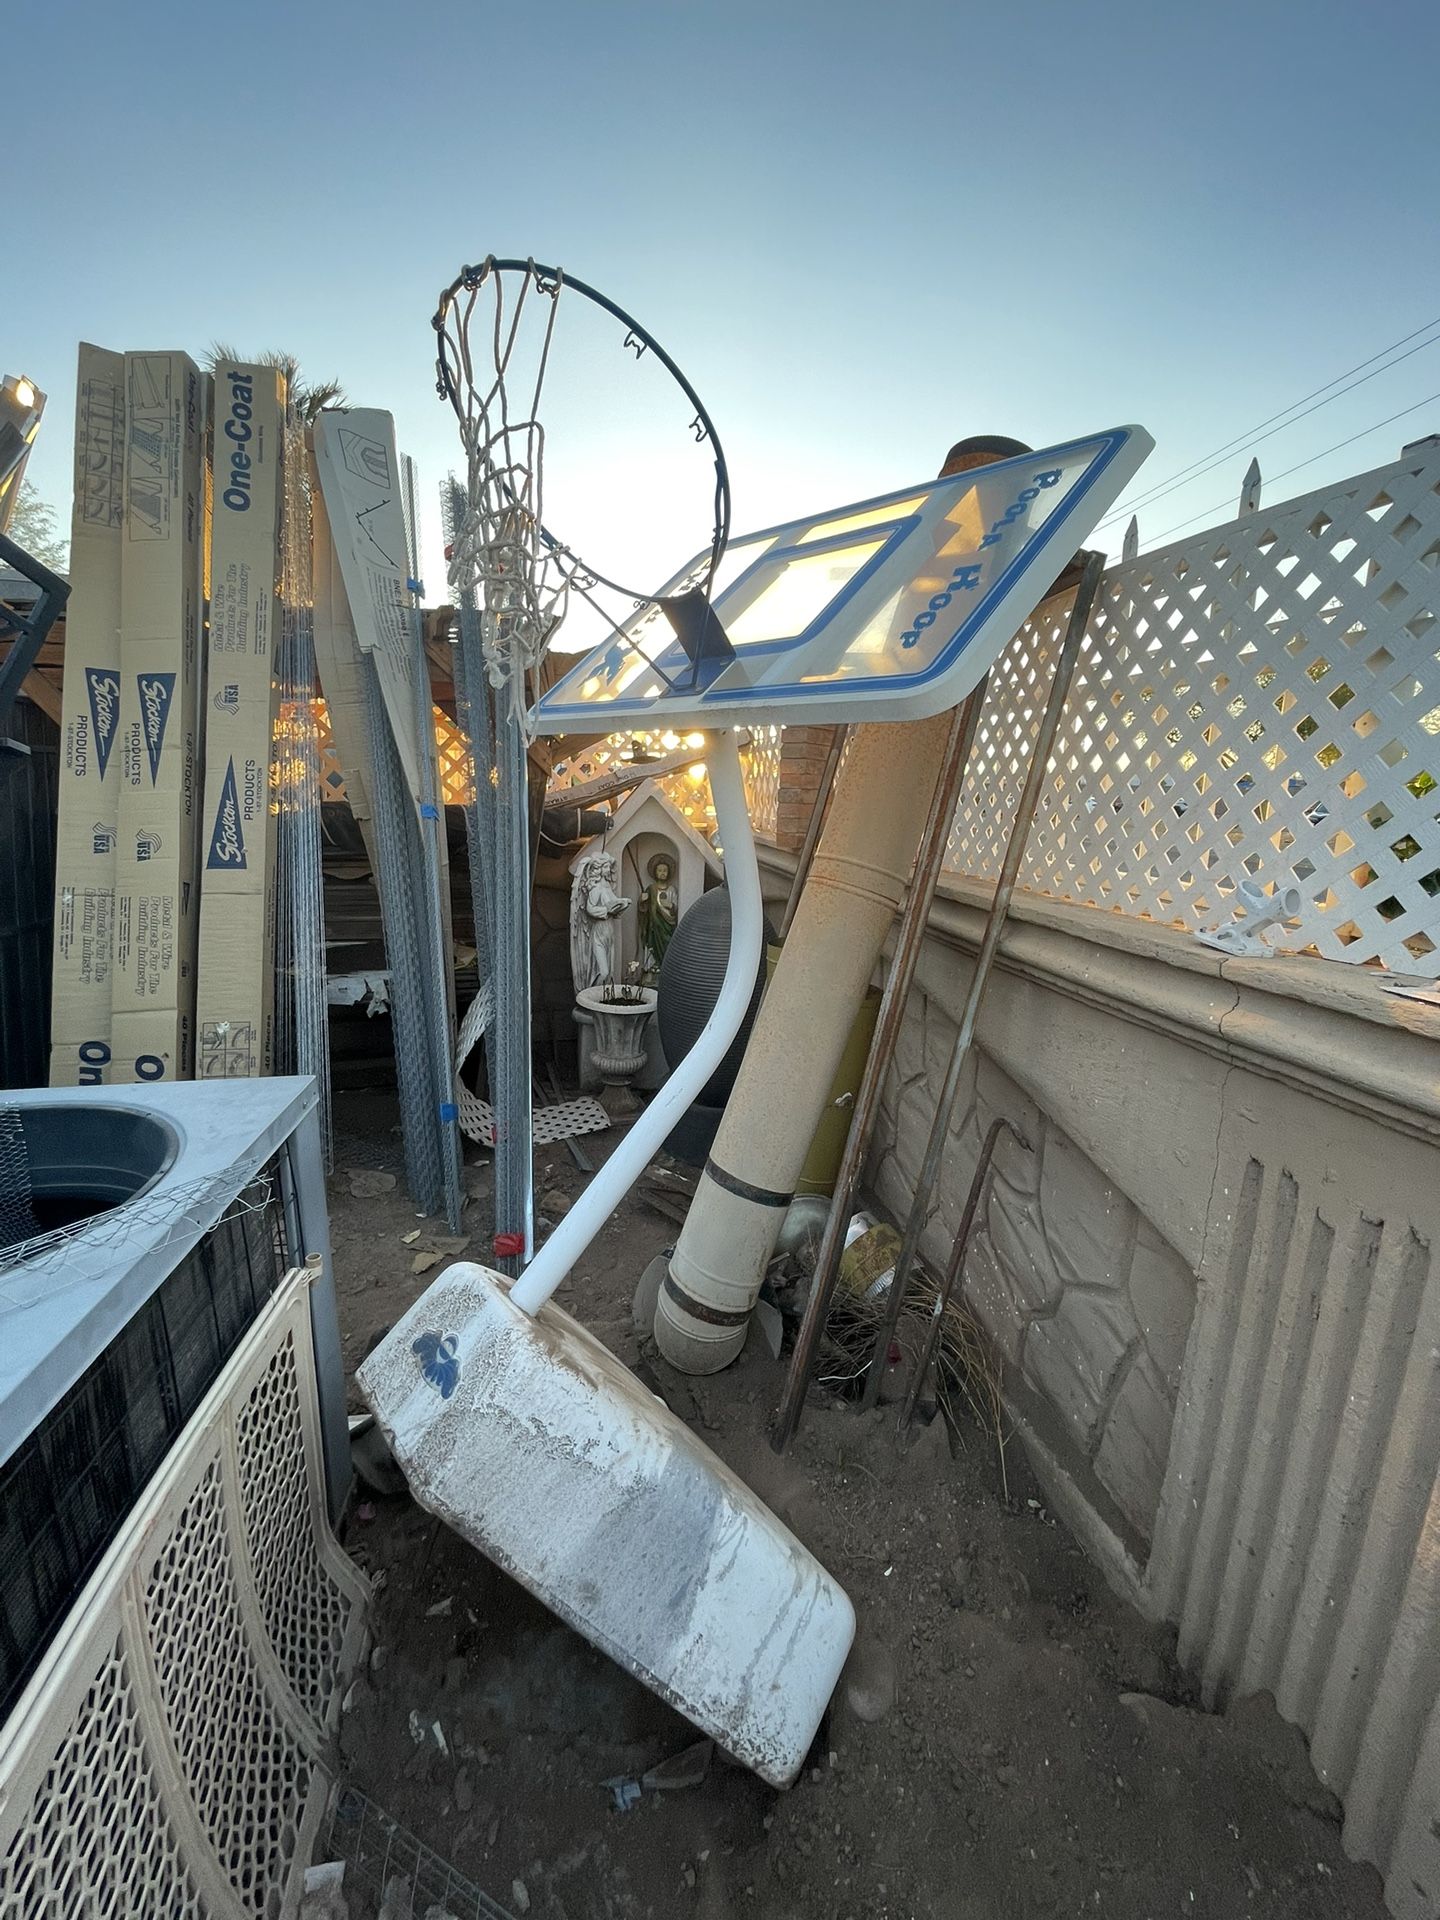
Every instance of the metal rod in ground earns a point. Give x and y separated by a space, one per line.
472 712
473 690
396 861
514 1159
984 961
472 707
929 858
956 1263
838 737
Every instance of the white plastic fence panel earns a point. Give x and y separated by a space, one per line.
1261 702
172 1755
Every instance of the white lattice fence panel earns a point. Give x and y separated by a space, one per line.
1260 703
452 755
760 769
172 1753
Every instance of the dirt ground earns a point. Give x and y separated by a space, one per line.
984 1757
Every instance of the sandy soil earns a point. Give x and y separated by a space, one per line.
981 1759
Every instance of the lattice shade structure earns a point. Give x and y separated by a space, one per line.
450 746
1261 703
172 1754
687 790
760 765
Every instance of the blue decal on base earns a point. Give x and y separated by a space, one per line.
439 1361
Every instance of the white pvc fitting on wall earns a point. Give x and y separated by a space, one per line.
859 875
652 1129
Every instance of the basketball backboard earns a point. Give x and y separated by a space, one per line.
891 608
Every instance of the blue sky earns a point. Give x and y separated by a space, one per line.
863 231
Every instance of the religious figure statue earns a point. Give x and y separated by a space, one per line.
595 906
659 911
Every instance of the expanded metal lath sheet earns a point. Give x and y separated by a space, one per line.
398 867
170 1756
1259 703
452 755
302 1029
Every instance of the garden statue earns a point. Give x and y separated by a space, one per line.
659 912
595 907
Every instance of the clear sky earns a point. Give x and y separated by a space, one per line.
864 231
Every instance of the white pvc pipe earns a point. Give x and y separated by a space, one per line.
649 1133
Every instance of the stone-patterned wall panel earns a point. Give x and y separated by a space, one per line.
1079 1293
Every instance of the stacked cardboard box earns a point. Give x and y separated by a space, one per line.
235 1000
153 984
90 732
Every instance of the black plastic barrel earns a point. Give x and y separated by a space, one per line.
689 985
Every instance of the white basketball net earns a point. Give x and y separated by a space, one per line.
498 550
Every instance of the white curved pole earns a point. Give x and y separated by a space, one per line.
650 1131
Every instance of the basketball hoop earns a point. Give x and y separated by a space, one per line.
496 326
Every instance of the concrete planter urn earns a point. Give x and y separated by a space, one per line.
619 1045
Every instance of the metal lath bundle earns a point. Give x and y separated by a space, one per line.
497 841
302 1032
434 867
397 858
367 493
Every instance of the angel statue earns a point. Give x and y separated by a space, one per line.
595 905
659 911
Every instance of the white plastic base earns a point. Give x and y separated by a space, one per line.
536 1445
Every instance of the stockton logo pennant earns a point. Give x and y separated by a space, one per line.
157 690
103 687
227 837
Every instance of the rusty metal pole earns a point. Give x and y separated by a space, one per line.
909 940
984 961
957 1260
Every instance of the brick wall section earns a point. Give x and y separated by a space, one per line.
802 761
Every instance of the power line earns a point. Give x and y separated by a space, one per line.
1270 480
1252 435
